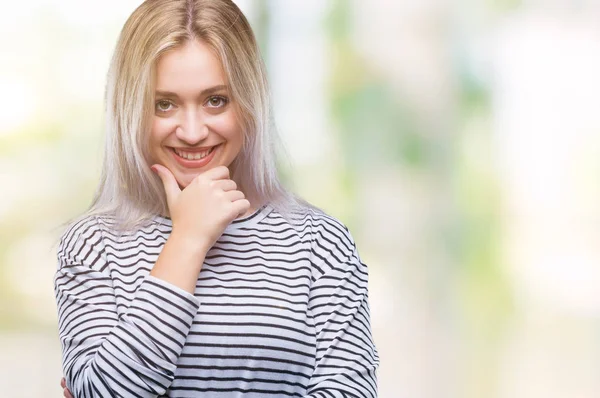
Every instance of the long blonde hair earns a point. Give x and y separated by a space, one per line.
128 189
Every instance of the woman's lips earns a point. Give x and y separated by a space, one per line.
194 163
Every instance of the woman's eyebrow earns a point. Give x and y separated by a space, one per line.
203 93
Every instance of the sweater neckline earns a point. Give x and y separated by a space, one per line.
250 220
242 222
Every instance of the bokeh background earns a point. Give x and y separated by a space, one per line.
459 141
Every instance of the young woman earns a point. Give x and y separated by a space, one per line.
195 273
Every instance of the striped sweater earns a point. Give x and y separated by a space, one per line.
279 310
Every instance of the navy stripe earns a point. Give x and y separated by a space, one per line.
279 309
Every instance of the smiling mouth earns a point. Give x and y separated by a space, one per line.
195 155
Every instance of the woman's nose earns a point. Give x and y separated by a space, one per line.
192 129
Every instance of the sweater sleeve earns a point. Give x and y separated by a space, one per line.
133 354
347 359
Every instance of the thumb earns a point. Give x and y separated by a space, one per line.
169 183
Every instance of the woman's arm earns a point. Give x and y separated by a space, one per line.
347 359
135 355
104 355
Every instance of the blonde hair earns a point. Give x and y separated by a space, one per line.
128 189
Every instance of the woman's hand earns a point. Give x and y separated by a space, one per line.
66 392
202 210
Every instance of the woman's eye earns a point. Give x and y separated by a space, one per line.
163 106
217 102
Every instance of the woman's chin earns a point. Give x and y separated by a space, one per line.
185 180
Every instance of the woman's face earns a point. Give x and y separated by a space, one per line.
194 127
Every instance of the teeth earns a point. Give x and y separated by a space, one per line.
192 156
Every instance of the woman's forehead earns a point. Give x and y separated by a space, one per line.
191 67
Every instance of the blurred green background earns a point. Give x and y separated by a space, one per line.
459 141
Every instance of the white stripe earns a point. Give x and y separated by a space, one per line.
279 310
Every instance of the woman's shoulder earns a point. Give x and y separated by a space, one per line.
333 250
80 226
81 240
87 224
322 225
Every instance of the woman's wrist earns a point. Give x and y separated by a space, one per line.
187 244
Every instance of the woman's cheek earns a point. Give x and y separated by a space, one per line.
227 126
161 128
